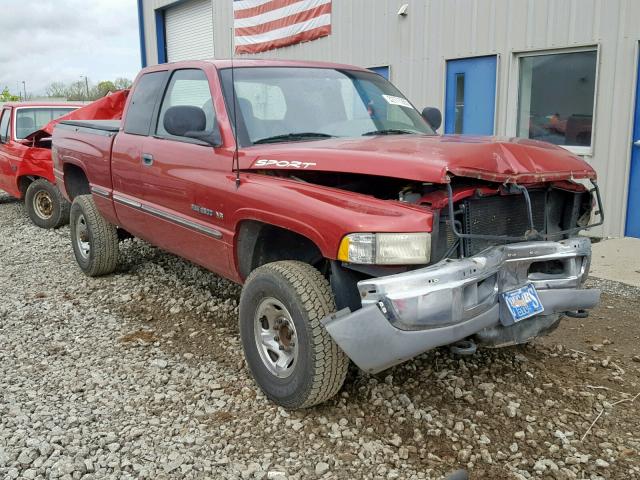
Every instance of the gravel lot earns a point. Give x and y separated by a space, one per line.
141 375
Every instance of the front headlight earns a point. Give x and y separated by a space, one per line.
386 248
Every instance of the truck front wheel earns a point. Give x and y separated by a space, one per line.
292 357
45 205
94 240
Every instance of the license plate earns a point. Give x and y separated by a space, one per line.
523 302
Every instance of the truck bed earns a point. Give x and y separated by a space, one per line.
87 144
102 125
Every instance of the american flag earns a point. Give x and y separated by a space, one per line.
261 25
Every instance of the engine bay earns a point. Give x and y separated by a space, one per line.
471 214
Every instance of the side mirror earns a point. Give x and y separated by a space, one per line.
191 122
433 117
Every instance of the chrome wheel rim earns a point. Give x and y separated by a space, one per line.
43 204
82 237
275 337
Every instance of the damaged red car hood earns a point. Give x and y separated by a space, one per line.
105 108
425 158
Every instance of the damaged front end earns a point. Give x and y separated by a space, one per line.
494 247
406 314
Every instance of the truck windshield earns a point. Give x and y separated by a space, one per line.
286 104
32 119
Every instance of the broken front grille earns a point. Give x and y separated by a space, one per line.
516 214
500 215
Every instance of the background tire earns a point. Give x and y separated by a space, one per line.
320 367
94 240
46 206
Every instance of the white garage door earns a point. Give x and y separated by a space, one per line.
189 30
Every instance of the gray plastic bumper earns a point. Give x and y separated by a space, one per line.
407 314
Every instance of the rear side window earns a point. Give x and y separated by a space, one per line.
4 125
143 102
29 120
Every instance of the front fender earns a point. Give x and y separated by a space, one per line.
323 214
35 162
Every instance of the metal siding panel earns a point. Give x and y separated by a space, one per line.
150 32
606 117
223 21
582 21
189 30
483 21
559 17
462 26
538 24
434 68
518 19
503 46
619 99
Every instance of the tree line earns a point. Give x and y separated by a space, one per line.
82 90
7 96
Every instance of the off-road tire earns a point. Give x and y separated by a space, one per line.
102 257
54 213
321 366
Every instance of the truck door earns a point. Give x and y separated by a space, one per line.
126 156
185 180
5 138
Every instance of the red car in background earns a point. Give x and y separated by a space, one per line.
26 170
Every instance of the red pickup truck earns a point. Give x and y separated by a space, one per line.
357 231
25 170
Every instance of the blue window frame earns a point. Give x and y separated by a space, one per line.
383 71
161 36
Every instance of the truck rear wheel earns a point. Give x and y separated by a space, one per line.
94 240
292 357
45 205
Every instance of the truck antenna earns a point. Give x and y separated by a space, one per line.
236 159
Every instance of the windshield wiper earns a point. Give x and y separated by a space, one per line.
390 131
293 136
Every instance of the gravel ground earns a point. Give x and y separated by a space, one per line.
141 375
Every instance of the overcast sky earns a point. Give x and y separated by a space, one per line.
59 40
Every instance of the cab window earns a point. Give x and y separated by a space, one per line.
4 125
143 103
188 87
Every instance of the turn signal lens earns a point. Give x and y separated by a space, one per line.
358 248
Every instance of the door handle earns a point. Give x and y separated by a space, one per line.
147 159
636 143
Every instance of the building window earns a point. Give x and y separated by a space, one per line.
556 98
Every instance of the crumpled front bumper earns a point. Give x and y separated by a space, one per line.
407 314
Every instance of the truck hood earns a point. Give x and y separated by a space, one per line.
425 158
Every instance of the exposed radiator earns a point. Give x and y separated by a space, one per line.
500 215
